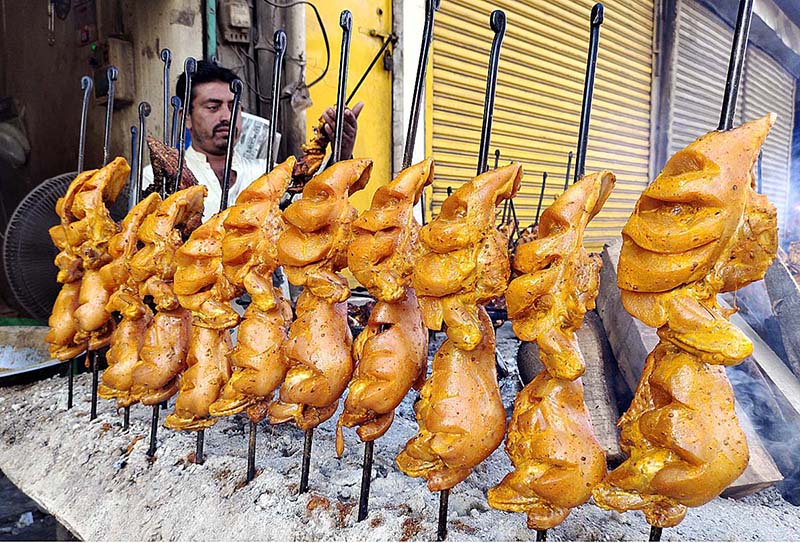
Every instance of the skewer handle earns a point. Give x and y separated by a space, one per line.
346 22
166 58
86 87
189 68
588 90
366 476
280 51
111 74
236 89
736 64
441 529
144 112
497 22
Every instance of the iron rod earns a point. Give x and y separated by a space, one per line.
655 533
71 381
441 529
569 167
144 112
251 453
86 87
133 198
95 378
541 198
497 22
166 58
189 68
588 90
280 51
236 89
151 451
306 460
346 22
391 38
736 64
366 476
541 535
126 417
431 6
176 107
111 74
198 455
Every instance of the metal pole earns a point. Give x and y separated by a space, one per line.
236 89
346 22
280 51
366 476
144 112
736 64
189 68
166 58
86 87
588 90
498 23
111 74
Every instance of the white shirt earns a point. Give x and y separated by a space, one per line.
247 170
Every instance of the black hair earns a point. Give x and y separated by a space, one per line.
207 72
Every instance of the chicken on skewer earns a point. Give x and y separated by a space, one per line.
162 356
313 156
391 353
460 412
312 250
557 459
699 229
249 258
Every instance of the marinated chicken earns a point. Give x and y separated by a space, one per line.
557 459
460 413
699 229
63 327
249 258
313 155
465 260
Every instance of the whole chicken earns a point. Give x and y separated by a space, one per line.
557 459
320 363
249 258
699 229
392 356
69 263
314 246
465 260
460 413
63 327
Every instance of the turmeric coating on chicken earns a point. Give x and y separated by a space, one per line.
465 260
460 413
63 327
249 258
313 155
699 229
557 459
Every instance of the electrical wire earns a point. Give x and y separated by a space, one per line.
321 27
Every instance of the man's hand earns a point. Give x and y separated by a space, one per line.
350 128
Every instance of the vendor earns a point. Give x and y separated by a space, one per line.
208 123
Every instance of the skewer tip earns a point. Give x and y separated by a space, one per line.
498 20
346 20
597 14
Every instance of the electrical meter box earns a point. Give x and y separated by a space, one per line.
234 20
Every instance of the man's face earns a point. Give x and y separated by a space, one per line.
209 119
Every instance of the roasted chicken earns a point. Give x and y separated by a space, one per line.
460 413
63 327
699 229
313 155
557 459
465 260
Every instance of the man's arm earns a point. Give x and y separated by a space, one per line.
349 131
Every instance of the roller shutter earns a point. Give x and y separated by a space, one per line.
701 66
539 91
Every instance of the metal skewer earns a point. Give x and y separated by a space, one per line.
151 451
391 38
588 90
655 533
236 89
166 58
189 68
176 107
759 172
541 197
569 167
95 376
736 64
133 197
111 74
144 112
251 453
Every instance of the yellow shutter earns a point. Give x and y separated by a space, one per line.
539 91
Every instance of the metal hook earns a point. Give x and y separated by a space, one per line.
346 23
236 89
280 51
189 68
133 197
176 107
736 64
111 74
144 112
166 58
588 90
498 23
431 6
86 87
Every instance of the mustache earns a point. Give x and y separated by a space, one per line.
221 126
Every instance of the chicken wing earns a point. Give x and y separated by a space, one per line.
465 260
699 229
460 413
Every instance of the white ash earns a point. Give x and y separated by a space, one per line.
83 473
15 358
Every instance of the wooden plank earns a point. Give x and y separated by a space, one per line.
784 297
631 342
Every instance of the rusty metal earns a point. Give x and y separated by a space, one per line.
280 51
112 73
86 87
236 88
588 90
736 64
189 68
166 58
